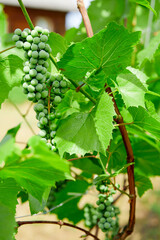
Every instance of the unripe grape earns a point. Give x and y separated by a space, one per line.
107 203
19 44
107 225
24 34
44 38
44 94
30 53
34 47
58 115
46 65
18 31
42 133
112 214
44 121
113 223
45 111
38 96
55 84
27 30
25 85
101 207
51 116
41 45
45 32
39 87
102 220
41 114
100 225
53 126
39 68
41 61
59 77
34 33
15 38
31 96
99 214
63 90
57 90
32 66
29 38
52 134
26 69
44 70
27 77
49 145
110 209
32 72
107 214
33 60
35 54
36 40
34 82
26 63
31 88
39 107
38 29
48 49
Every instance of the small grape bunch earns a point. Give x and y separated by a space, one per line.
90 215
106 213
33 42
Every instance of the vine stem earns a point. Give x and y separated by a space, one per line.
25 13
72 159
60 223
130 157
7 49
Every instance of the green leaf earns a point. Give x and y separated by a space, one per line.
146 4
148 52
73 191
57 43
143 184
77 134
107 52
41 169
8 201
143 119
132 86
146 158
104 119
10 74
90 165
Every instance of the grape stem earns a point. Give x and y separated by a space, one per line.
25 13
60 223
121 191
130 157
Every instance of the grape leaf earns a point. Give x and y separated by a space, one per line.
143 184
87 132
108 52
104 119
132 86
57 43
77 134
73 191
149 51
8 201
41 169
146 158
143 119
144 3
10 74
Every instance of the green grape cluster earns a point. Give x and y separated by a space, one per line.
106 211
41 87
90 215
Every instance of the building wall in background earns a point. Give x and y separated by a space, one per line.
53 20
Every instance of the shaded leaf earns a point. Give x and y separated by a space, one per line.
57 43
143 119
145 3
10 74
143 184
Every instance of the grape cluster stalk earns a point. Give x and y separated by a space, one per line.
40 86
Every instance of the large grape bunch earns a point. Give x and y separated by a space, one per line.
40 86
